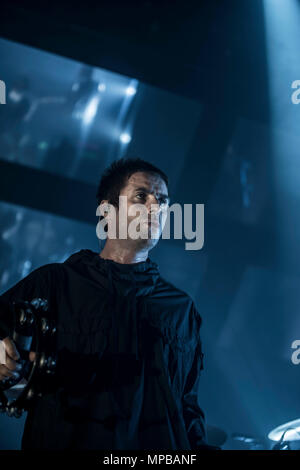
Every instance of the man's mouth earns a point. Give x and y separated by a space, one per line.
154 223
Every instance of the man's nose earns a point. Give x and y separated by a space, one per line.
154 207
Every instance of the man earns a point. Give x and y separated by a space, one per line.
128 341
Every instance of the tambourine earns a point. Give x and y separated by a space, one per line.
33 330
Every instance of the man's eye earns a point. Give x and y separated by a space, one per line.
163 201
140 195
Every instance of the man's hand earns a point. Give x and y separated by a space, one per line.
11 367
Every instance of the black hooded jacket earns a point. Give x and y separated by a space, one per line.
129 357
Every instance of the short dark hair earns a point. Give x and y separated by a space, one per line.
116 175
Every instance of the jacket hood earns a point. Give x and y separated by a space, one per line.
140 277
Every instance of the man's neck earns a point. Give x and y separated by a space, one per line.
121 254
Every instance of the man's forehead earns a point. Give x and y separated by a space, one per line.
149 180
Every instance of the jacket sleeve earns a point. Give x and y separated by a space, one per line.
193 415
33 285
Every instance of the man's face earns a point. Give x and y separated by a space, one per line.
151 191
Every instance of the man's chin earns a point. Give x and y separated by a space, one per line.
150 242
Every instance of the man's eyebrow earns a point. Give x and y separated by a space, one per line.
146 190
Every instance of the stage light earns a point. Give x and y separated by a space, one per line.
101 87
130 91
90 111
125 138
282 35
43 145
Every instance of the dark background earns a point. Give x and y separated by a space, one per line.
213 109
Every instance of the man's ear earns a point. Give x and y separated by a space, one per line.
105 202
101 217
